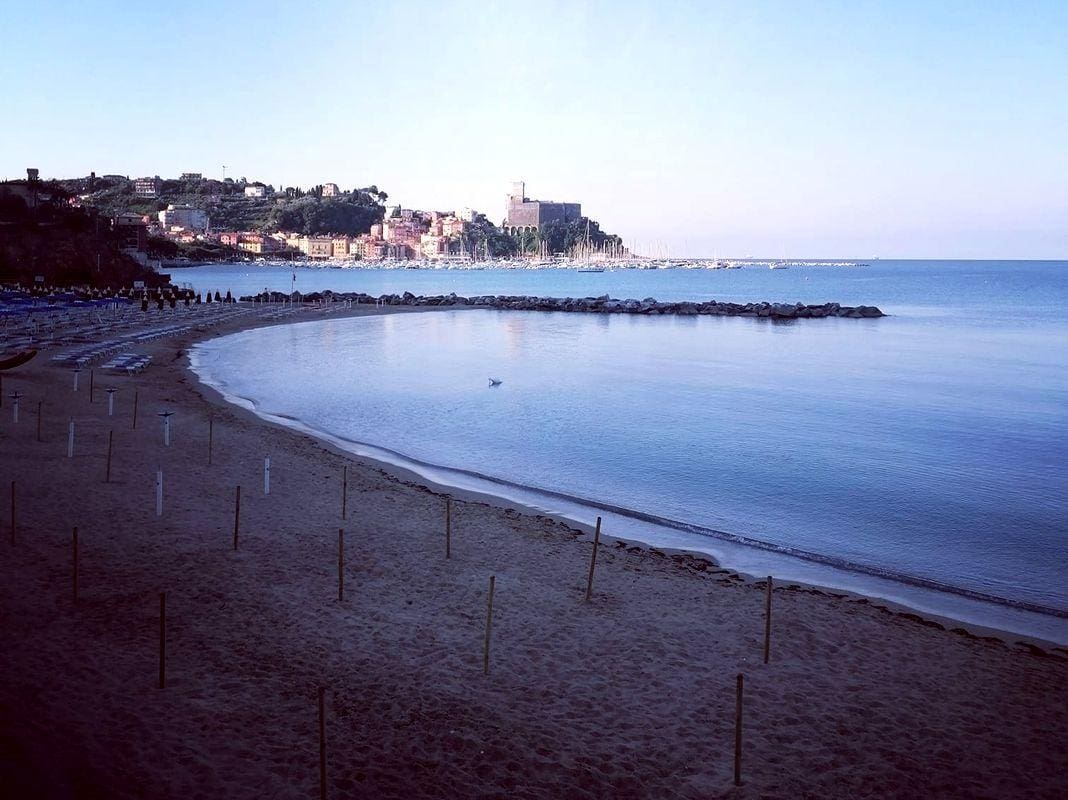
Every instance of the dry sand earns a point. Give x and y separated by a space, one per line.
628 696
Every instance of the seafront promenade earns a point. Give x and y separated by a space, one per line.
629 694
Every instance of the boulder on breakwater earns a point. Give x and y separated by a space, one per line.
591 305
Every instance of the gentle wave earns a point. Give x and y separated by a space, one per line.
405 461
396 458
908 461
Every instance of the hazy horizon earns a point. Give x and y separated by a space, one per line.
818 131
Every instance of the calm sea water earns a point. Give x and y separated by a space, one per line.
930 446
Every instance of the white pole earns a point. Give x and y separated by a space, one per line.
159 493
15 408
70 440
77 372
267 475
111 402
167 431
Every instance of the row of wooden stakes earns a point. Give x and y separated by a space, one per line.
340 561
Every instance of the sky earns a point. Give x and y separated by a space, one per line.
775 129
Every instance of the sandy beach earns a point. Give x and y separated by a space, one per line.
630 695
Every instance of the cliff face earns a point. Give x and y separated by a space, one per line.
68 246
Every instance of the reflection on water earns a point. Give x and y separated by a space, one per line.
927 449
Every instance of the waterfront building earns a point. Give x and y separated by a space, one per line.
148 187
255 190
320 247
331 190
370 248
524 214
191 176
183 217
257 243
340 246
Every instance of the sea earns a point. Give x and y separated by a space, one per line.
921 457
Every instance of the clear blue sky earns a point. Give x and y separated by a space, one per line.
909 129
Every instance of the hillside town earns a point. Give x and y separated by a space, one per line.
193 218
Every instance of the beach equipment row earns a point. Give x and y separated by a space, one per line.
128 363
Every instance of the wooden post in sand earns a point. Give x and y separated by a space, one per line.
738 733
135 410
267 475
74 565
344 491
162 640
237 514
159 492
593 559
107 474
489 627
448 527
211 436
166 415
340 564
767 621
322 744
70 440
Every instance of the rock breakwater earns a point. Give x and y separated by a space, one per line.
591 305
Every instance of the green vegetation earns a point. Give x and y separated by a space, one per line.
483 237
558 238
568 237
291 209
352 213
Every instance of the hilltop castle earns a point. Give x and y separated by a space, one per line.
525 215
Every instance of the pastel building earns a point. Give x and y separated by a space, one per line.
176 216
320 247
256 243
340 246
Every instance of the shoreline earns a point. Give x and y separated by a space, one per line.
946 604
628 695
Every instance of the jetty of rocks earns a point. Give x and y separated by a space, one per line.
592 305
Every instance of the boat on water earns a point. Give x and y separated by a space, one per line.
17 359
590 269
